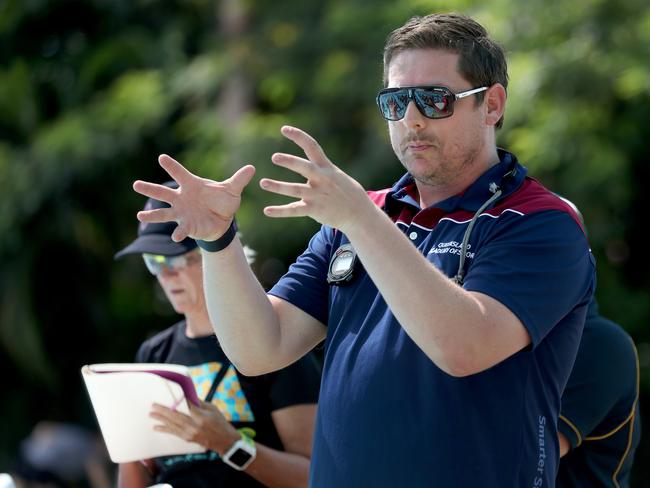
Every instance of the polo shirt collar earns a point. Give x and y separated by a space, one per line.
508 175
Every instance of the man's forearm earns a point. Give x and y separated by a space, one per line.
259 334
242 316
454 328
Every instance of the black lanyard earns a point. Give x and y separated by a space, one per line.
217 379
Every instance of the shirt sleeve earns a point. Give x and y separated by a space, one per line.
296 384
305 284
601 390
538 265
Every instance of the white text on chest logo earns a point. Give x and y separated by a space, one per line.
451 247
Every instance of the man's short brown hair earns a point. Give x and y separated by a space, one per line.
482 61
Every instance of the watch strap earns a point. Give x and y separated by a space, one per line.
246 444
221 243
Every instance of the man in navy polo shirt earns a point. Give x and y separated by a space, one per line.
452 304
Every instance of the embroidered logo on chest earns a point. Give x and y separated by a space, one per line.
451 247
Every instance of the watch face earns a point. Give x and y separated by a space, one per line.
342 265
240 457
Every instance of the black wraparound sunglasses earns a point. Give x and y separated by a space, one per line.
434 102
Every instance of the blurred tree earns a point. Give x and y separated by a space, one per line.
91 91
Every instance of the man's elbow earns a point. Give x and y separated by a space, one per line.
461 365
242 362
468 364
248 368
459 369
461 360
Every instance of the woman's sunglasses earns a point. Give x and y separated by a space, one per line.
156 263
434 102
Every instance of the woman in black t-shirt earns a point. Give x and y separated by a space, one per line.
256 430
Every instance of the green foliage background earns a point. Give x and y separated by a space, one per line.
92 91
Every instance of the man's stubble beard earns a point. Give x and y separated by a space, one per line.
445 168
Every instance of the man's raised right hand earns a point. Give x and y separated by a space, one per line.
202 208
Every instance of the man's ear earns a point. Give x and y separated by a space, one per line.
495 103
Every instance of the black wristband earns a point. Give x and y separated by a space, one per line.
222 242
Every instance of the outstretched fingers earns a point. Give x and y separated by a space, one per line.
307 143
175 169
156 216
241 178
180 233
153 190
294 163
293 209
296 190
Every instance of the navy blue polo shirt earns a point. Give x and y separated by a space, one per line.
387 415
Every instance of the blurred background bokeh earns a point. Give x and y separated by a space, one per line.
92 91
